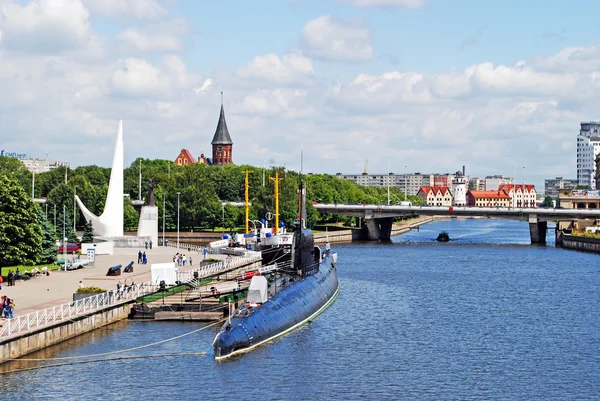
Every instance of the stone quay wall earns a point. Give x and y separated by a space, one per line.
38 339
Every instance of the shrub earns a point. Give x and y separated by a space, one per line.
90 290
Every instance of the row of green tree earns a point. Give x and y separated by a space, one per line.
196 191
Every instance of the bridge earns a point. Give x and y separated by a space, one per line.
379 218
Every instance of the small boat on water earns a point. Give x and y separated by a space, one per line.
443 237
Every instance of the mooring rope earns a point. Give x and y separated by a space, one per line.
56 365
119 351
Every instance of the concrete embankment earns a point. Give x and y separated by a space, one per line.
578 243
27 342
357 234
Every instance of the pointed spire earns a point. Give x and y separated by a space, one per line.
221 136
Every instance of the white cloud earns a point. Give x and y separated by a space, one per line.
487 116
138 77
137 41
328 38
45 26
386 3
292 68
128 9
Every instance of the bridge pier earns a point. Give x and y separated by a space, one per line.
537 230
379 229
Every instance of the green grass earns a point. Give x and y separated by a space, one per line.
22 269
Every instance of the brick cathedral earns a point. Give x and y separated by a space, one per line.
222 146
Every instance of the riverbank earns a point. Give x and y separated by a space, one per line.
578 243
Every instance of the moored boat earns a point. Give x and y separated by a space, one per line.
299 282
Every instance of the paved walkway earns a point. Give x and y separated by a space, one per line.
45 291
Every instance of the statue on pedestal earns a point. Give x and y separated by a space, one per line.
151 192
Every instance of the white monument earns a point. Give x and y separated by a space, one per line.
148 225
110 222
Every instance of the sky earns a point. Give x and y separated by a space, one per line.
409 85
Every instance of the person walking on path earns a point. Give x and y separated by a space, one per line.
11 278
205 252
184 259
139 257
150 244
144 258
1 280
80 284
146 243
190 260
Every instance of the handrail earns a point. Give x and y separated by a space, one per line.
208 270
68 311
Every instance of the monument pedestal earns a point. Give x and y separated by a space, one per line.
148 226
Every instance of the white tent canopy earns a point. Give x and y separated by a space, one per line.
258 290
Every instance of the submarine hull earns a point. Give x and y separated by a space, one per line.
291 307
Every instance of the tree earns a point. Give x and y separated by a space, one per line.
88 233
131 217
20 231
548 202
49 248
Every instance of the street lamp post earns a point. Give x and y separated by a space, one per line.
74 206
178 193
46 204
164 203
405 178
64 241
523 189
33 185
55 217
388 183
223 216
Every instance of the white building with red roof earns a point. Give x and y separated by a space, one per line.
520 195
436 196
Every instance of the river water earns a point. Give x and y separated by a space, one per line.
484 317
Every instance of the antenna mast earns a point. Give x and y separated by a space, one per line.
246 199
365 167
276 180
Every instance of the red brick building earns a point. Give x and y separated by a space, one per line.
185 158
222 144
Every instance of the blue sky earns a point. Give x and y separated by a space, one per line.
489 84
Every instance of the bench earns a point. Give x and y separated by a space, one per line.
128 268
114 271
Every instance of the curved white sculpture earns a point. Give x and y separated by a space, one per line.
110 222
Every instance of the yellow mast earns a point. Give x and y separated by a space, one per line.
247 203
276 181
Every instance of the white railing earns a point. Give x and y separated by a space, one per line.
196 248
224 265
68 311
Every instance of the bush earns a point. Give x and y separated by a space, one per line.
90 290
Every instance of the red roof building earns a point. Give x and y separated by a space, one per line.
185 158
524 195
488 198
436 196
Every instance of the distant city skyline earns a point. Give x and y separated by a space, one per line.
427 84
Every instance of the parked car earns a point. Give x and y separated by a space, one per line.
72 247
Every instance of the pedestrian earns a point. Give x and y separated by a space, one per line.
190 265
119 286
166 242
146 243
150 244
11 278
144 259
1 280
139 257
2 301
184 259
205 252
80 284
11 308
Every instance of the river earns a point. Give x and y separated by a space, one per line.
484 317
